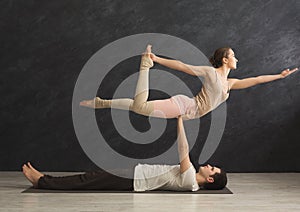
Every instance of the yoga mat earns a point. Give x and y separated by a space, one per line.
223 191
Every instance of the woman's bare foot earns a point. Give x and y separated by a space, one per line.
87 103
148 49
95 103
146 61
32 174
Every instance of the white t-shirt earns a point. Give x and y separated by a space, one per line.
164 177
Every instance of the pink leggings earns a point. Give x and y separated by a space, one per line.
167 108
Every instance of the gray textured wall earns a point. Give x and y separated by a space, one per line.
45 44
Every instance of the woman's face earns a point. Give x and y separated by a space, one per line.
231 60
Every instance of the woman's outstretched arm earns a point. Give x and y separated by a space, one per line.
180 66
252 81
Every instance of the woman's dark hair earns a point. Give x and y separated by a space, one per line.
217 59
220 181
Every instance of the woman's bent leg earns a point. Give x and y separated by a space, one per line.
158 108
139 104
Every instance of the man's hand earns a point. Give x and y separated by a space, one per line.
287 72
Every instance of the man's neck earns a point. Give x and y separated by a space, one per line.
200 179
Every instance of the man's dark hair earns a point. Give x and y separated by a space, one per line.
220 181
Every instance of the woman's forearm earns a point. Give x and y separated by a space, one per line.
173 64
268 78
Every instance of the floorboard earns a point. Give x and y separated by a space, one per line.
251 192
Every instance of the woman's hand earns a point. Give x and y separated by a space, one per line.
153 57
287 72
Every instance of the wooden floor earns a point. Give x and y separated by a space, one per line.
252 192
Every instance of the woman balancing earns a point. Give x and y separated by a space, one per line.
215 89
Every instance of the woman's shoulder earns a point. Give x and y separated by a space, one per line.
208 68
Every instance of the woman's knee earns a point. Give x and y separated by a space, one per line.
145 108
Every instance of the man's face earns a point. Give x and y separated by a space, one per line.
208 170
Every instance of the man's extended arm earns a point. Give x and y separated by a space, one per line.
183 146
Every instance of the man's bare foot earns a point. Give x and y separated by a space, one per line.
31 174
33 169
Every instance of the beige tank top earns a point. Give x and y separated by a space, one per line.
215 91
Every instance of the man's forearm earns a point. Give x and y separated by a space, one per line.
183 146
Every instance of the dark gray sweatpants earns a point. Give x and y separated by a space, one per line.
99 180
